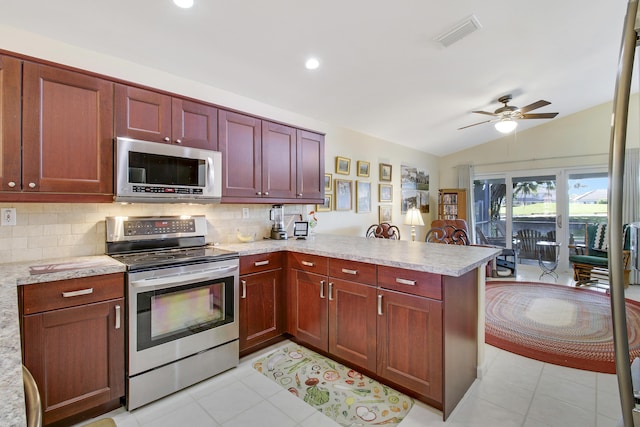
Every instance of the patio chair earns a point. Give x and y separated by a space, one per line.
527 243
591 260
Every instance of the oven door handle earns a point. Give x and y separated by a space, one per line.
181 279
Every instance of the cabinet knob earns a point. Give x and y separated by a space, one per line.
266 193
11 184
178 141
259 193
299 194
167 139
32 185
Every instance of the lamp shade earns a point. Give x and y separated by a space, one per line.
414 217
506 125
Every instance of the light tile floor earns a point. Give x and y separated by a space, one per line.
515 391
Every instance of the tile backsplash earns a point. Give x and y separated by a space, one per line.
55 230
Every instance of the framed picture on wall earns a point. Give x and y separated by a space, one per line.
385 213
328 184
363 196
343 165
385 172
385 193
326 206
363 168
343 190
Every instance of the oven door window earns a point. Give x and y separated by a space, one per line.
169 314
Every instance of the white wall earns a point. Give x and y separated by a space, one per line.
580 139
51 230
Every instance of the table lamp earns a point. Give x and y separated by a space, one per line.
413 218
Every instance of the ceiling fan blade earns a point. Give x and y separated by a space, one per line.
475 124
533 106
485 112
539 116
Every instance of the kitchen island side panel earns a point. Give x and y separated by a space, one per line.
460 338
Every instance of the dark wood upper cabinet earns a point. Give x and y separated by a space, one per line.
279 161
67 131
310 176
240 141
267 162
143 114
153 116
10 157
194 124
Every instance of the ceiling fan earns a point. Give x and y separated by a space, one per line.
506 116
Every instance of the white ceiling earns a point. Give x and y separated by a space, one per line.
381 71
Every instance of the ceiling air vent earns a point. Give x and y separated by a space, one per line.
459 31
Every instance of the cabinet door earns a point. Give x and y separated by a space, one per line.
352 322
194 124
143 114
67 131
410 342
76 356
260 308
10 79
310 169
239 140
309 299
278 161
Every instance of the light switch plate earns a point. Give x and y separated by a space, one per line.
8 216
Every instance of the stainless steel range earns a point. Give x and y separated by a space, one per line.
182 303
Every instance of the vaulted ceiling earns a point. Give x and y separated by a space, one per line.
381 72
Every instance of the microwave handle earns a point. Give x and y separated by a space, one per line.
181 279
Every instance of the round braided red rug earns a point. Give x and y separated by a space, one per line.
557 324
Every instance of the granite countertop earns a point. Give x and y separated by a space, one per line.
449 260
12 409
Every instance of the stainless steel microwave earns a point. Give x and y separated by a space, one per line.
152 172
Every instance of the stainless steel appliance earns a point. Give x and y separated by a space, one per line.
163 173
277 229
182 304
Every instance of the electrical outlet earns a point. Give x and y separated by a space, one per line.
8 216
245 212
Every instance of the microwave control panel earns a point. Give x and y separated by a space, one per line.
166 190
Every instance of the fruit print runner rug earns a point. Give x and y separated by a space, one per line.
340 393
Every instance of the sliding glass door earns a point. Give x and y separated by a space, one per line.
533 215
531 207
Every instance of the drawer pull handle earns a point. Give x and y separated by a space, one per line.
261 263
77 293
379 305
347 271
322 289
244 289
308 264
330 291
405 281
117 317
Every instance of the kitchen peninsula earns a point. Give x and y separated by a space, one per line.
454 264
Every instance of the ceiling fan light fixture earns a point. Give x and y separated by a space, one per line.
506 125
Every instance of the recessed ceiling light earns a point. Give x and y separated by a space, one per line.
185 4
312 63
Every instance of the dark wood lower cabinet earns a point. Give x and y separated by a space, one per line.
410 342
76 356
352 322
260 308
309 299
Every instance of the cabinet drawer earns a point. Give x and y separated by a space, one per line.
261 262
313 263
352 270
412 282
41 297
